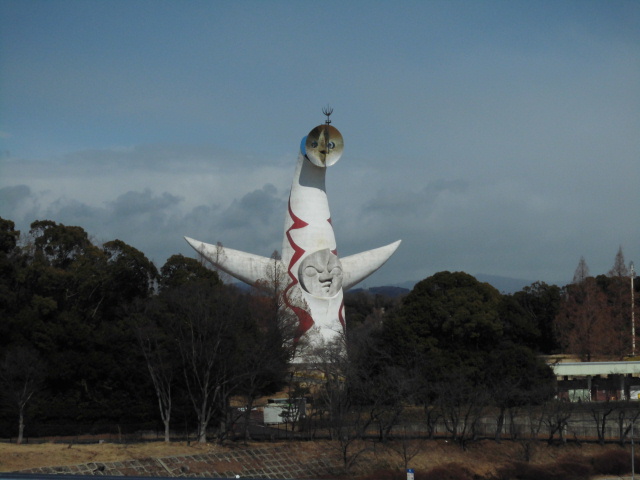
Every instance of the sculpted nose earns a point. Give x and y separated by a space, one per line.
322 146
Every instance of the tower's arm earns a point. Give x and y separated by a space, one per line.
359 266
246 267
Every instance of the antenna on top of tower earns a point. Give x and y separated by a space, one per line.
327 111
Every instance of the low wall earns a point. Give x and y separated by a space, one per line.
272 462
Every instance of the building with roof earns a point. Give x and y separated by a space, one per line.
597 381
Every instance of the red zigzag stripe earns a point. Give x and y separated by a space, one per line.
306 321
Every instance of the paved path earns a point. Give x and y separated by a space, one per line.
281 462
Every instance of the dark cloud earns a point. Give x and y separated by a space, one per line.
407 210
136 203
502 150
156 222
73 212
11 197
254 208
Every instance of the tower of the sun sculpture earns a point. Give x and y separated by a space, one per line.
316 276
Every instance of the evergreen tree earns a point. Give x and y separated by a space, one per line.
541 303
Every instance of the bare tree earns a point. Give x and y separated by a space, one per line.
378 385
556 418
220 257
296 410
265 362
599 412
273 287
21 375
585 323
347 422
462 405
534 416
275 280
407 446
160 355
204 324
628 413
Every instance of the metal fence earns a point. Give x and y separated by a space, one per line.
611 422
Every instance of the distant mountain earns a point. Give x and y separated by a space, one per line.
503 284
409 284
506 285
387 291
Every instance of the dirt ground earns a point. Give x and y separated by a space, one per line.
481 457
22 457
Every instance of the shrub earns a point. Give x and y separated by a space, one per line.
390 474
523 471
385 475
570 470
562 470
450 471
612 462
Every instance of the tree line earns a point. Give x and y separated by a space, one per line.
94 335
97 335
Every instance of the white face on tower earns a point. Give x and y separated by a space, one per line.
320 274
324 146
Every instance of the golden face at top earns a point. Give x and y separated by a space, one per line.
324 145
320 274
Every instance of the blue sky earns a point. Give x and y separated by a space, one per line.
496 137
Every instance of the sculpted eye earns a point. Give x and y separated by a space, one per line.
331 145
336 271
314 144
310 271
